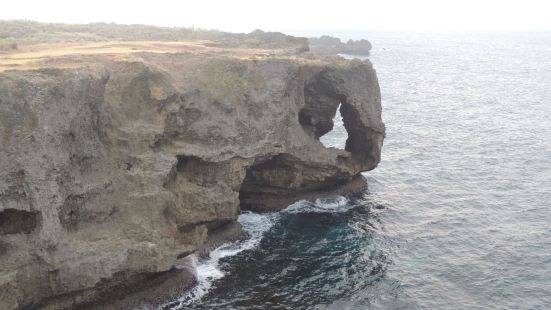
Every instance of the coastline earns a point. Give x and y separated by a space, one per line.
122 158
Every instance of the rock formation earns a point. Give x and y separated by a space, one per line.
327 45
113 170
262 39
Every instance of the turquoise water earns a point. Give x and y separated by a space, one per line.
458 213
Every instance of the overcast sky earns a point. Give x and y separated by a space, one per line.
285 15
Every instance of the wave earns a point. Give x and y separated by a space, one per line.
208 270
321 205
255 225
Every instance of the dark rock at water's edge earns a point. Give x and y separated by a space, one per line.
113 171
327 45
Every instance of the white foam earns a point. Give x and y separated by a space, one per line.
208 270
321 205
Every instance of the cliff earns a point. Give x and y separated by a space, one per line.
119 160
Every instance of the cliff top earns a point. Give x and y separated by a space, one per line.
27 45
66 55
30 32
32 45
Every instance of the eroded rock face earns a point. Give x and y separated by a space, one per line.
109 174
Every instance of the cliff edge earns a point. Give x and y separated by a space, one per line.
116 165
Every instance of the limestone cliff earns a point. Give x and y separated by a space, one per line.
113 170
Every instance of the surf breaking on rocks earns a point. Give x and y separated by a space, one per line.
255 225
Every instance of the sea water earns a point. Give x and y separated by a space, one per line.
458 213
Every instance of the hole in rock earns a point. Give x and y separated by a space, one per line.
199 171
338 135
271 177
274 183
14 221
324 102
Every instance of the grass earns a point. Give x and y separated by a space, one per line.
30 32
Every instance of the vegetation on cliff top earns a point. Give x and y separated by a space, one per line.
28 45
30 32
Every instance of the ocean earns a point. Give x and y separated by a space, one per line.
458 212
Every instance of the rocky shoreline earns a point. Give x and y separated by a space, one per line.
118 164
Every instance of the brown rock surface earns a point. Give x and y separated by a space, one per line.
112 168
